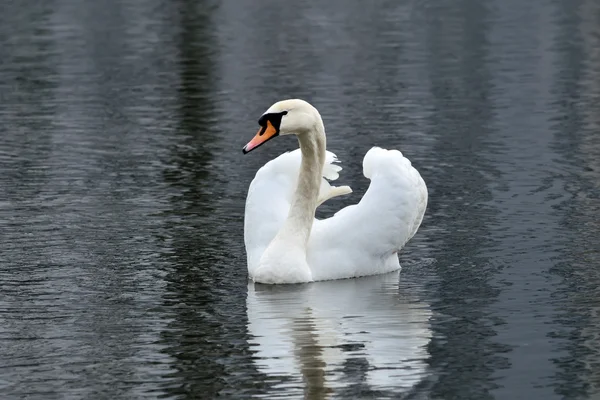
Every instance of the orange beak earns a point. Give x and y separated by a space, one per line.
264 134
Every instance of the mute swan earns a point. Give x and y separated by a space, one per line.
286 244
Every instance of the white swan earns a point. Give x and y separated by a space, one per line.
286 244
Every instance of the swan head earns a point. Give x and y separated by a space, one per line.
286 117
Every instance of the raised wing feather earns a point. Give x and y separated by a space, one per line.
363 239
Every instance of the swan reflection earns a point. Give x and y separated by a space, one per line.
311 339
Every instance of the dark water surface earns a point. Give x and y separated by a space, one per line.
122 188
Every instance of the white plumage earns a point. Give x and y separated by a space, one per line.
361 239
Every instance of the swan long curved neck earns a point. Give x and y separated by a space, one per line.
300 219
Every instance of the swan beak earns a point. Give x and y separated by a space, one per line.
264 134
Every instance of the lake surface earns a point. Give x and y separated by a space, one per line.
122 189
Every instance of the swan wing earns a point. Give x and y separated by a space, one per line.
364 238
270 195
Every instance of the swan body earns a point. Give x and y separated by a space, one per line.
284 241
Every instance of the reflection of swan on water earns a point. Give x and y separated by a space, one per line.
306 337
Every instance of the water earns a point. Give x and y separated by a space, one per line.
122 187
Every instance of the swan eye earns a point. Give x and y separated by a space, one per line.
284 113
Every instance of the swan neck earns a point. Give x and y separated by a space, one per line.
302 211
